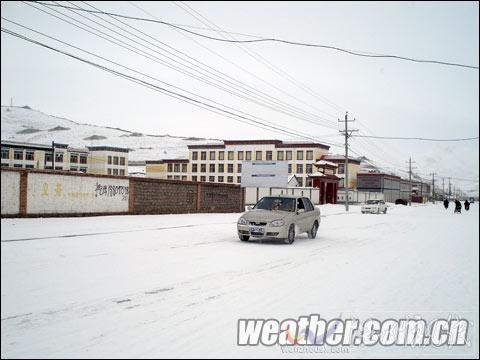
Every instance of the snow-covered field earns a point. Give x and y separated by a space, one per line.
176 285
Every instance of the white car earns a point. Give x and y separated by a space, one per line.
374 207
279 217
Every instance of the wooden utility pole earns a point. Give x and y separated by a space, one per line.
347 133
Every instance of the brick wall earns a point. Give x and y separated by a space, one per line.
154 196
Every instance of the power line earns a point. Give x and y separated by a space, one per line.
270 102
165 91
414 138
289 42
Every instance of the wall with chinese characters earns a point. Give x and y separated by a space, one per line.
47 193
10 192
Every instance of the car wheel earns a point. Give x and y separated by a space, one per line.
244 237
312 234
291 235
385 211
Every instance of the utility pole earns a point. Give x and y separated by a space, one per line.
449 189
443 188
53 155
11 101
347 133
410 180
433 186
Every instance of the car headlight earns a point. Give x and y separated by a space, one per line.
276 223
242 221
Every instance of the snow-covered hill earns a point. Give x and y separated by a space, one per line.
28 125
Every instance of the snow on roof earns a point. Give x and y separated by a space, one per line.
324 162
316 174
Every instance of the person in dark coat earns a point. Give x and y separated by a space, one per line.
458 207
467 205
445 203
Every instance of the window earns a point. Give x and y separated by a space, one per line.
115 171
5 164
194 168
115 160
109 160
230 168
308 182
230 155
176 177
58 158
48 168
300 181
83 169
248 155
212 168
239 168
83 159
308 168
176 167
169 177
289 154
289 168
300 155
258 155
299 169
269 155
5 153
220 179
17 165
240 155
203 155
48 156
211 178
73 168
212 155
341 168
229 179
239 179
194 178
122 172
170 167
122 160
203 178
184 177
300 204
308 204
194 155
221 155
221 168
29 166
184 167
109 171
18 154
203 168
280 155
29 155
309 155
74 159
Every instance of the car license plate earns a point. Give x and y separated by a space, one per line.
257 230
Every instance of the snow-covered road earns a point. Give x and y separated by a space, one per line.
176 285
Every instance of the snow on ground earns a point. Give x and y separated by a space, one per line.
176 285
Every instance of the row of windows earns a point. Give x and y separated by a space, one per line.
219 179
220 168
30 166
29 155
116 160
281 155
120 172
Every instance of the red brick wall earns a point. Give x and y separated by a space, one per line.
215 198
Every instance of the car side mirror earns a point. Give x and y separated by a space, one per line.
300 211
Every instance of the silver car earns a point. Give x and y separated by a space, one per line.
279 217
374 207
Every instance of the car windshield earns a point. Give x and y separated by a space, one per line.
372 202
276 203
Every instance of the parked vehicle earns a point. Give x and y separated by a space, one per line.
279 217
401 202
374 207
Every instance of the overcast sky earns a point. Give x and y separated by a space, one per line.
388 97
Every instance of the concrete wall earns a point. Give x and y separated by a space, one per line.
55 194
355 196
10 192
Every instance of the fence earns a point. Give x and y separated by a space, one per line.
355 196
60 193
253 194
